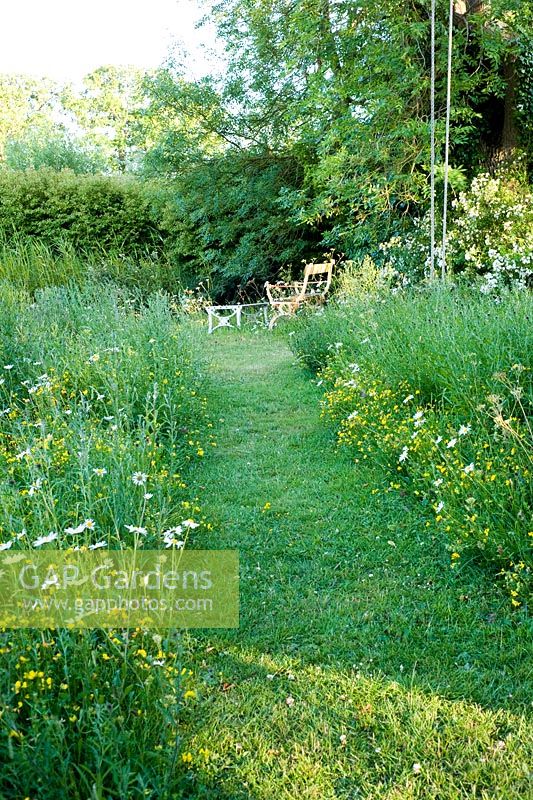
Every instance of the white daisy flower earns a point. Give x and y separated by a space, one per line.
139 478
79 529
189 523
45 539
451 443
469 468
23 454
171 531
409 397
464 429
403 455
352 415
9 366
438 482
148 496
438 440
136 529
97 545
179 543
6 545
439 507
100 471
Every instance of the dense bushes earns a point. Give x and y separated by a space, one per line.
89 211
438 387
490 235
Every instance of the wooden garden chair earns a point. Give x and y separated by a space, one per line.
286 298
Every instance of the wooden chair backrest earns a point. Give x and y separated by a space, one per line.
312 270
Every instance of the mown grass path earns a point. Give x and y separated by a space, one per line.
359 654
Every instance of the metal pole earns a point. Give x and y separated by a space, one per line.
447 141
432 127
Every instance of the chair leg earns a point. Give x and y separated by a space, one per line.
277 317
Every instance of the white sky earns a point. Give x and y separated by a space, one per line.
66 39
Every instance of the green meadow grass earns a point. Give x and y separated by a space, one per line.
363 666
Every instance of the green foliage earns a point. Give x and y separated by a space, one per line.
91 212
25 102
94 390
54 150
226 224
109 110
321 69
462 439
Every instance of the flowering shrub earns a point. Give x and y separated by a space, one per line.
492 235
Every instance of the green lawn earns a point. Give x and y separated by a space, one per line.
363 667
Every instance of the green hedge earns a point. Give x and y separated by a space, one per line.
89 211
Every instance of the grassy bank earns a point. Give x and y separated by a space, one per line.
437 387
102 414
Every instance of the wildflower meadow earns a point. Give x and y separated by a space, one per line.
103 412
266 400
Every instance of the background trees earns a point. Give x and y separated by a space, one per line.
317 136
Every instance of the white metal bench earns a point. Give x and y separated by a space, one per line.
231 315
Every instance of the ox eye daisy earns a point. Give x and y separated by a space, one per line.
136 529
51 537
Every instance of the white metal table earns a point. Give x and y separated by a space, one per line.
231 315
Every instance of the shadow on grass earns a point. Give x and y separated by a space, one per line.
277 729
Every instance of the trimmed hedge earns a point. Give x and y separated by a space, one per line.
89 211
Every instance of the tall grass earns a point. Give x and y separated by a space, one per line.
439 341
437 385
32 264
94 391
